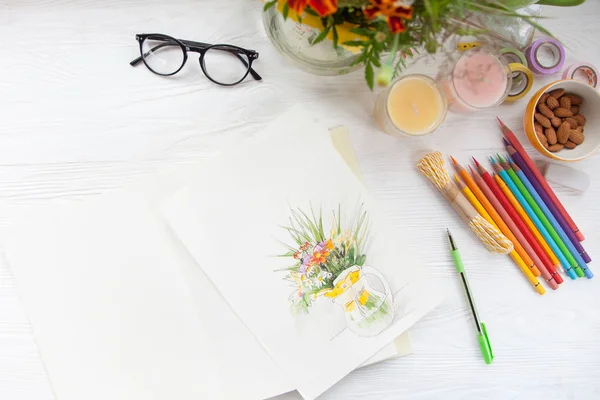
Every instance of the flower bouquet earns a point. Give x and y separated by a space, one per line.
332 265
319 257
384 33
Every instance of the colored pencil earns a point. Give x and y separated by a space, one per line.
473 200
525 217
583 268
508 179
527 240
525 269
489 194
510 136
462 172
538 212
518 159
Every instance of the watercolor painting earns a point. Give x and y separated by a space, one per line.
332 264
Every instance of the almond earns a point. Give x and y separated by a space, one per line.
551 135
580 119
538 128
579 129
544 98
575 100
545 122
543 109
557 93
575 110
542 138
572 122
556 122
556 147
570 145
563 133
576 137
563 112
565 102
552 103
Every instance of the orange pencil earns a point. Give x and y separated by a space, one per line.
523 214
462 172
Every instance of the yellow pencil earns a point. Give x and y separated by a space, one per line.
514 255
473 200
523 214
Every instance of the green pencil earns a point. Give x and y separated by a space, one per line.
536 209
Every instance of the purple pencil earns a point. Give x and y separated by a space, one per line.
559 218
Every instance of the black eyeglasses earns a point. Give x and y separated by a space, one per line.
223 64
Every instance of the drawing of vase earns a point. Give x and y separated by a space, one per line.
368 311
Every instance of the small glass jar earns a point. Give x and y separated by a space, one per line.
479 79
414 105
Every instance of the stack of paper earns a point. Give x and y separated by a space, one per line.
198 293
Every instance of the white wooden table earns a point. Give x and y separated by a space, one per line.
76 121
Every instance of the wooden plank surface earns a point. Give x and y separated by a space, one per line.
76 121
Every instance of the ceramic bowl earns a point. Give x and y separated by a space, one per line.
590 109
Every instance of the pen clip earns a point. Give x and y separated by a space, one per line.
486 346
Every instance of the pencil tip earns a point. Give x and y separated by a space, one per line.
492 160
456 178
506 142
471 169
476 162
500 158
453 160
500 121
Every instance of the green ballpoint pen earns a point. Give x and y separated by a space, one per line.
482 336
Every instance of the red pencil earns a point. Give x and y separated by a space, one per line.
510 136
547 269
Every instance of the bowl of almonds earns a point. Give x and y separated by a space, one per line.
562 120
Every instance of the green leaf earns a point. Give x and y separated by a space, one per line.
360 260
355 43
321 36
286 10
335 37
369 75
363 32
376 62
269 5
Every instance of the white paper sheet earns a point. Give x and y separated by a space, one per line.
68 260
122 312
230 220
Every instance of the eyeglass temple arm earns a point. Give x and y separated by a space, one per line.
200 45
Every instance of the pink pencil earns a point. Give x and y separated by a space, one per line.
513 227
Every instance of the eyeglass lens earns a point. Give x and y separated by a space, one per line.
162 55
225 64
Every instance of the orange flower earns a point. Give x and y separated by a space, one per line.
305 246
329 245
318 258
322 7
394 12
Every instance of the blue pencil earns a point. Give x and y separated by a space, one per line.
534 218
588 273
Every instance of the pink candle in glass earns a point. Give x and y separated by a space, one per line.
478 80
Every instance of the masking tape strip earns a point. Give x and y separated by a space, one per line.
513 56
521 83
585 72
533 56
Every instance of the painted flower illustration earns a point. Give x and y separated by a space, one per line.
322 7
394 12
319 258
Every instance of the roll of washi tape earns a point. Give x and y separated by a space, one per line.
582 72
464 46
545 56
521 82
513 56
